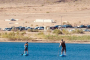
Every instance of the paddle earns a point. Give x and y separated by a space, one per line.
58 52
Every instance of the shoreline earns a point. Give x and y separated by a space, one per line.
45 41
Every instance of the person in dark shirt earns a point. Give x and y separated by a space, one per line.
26 47
63 47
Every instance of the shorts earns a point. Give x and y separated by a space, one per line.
63 49
26 49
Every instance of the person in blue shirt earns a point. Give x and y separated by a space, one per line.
26 47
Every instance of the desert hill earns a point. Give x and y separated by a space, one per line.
76 12
37 1
29 1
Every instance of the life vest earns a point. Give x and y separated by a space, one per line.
63 44
26 45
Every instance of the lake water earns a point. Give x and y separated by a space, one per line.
43 51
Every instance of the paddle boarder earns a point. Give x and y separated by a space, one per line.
62 43
26 47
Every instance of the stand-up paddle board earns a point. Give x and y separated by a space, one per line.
25 54
62 55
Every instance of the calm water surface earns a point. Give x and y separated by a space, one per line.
43 51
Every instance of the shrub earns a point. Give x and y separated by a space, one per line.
30 30
36 30
0 34
11 34
49 31
36 25
68 37
15 36
57 31
31 24
17 32
78 31
26 22
65 31
42 5
53 37
23 33
41 33
14 29
47 12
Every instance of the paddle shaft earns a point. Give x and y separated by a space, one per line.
58 51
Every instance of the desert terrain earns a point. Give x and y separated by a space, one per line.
76 13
